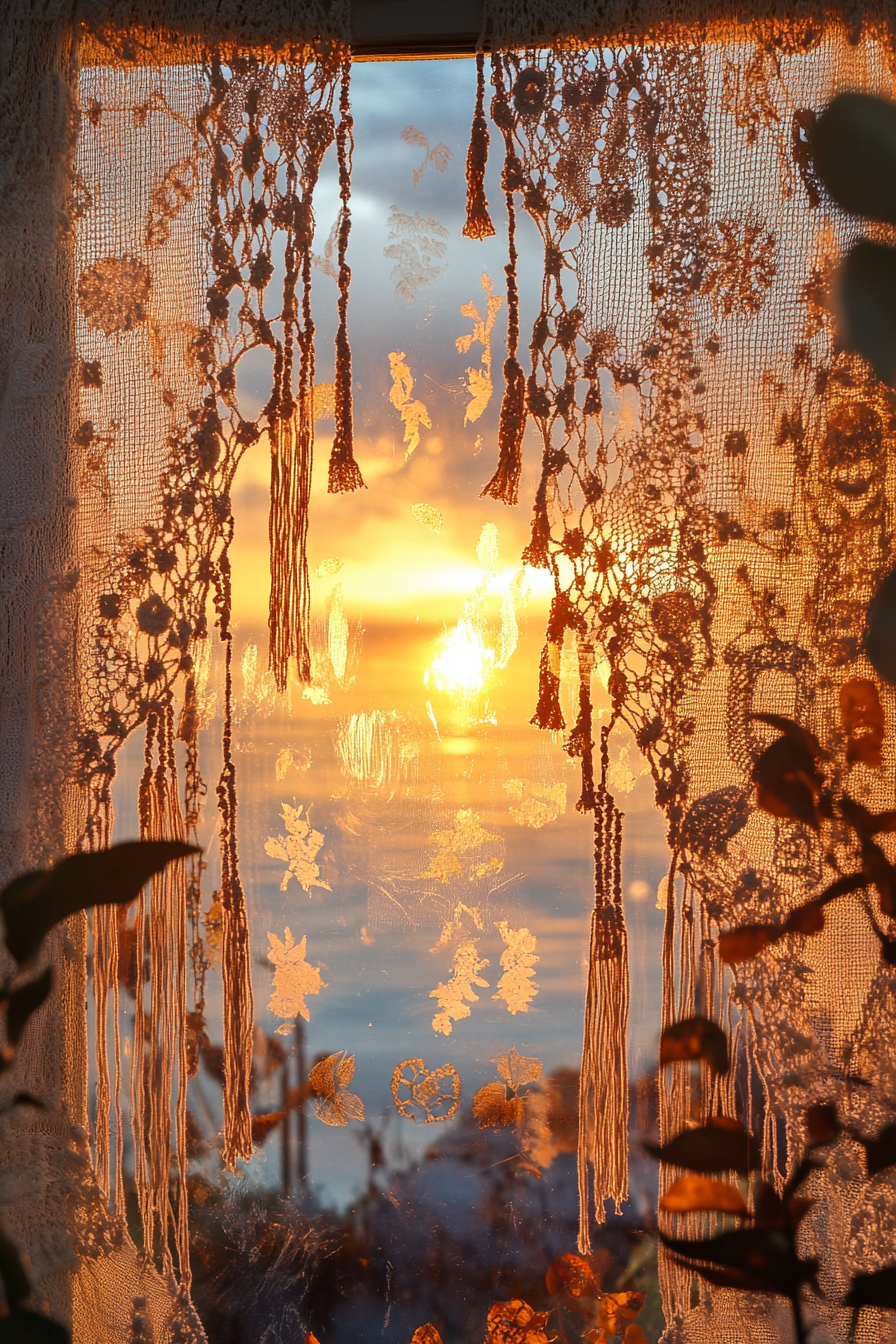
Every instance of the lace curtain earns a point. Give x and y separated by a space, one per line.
713 548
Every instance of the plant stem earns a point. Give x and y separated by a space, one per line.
799 1328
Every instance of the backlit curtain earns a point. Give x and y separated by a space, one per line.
713 547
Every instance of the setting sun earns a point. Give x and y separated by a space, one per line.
462 663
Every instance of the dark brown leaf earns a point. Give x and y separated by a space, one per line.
711 1148
34 903
30 1327
743 944
853 146
887 944
25 1001
881 873
788 784
725 1278
765 1254
862 720
695 1038
801 736
863 296
880 630
822 1123
806 919
865 822
881 1151
873 1290
12 1271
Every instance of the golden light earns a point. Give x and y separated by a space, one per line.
462 663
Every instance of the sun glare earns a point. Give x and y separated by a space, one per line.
462 662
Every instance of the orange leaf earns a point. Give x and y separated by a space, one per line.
493 1109
426 1334
571 1275
515 1322
694 1194
617 1309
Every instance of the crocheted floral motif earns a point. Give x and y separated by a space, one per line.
113 294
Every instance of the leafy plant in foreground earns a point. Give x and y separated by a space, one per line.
32 905
794 781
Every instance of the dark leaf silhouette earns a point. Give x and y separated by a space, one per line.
15 1281
26 1099
742 944
695 1038
29 1327
862 719
864 294
867 823
822 1123
887 944
853 144
873 1290
881 1151
34 903
880 630
765 1255
23 1002
801 736
788 782
879 871
719 1145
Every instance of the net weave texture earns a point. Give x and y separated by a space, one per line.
715 508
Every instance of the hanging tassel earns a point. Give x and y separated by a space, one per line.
292 449
504 485
236 975
345 474
548 714
159 1055
603 1081
479 224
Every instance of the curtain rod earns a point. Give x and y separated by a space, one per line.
388 30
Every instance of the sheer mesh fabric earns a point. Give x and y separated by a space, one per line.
715 508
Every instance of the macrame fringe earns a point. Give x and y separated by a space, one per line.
603 1081
158 1066
345 474
478 224
292 449
548 714
505 483
236 973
